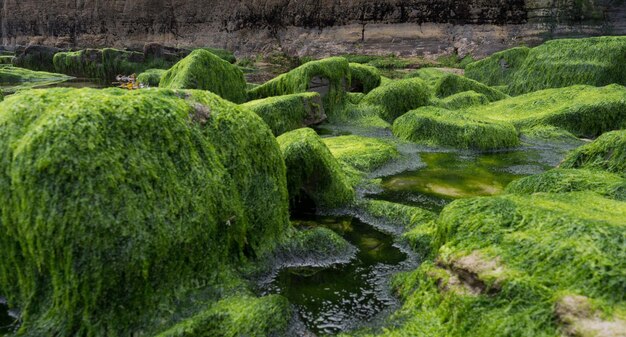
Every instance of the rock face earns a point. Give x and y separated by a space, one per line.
313 27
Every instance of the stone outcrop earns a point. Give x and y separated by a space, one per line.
312 27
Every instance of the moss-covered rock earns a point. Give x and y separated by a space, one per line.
38 58
364 78
548 134
430 75
151 77
398 97
597 61
362 153
15 78
441 127
289 112
129 199
312 171
203 70
584 111
571 180
100 64
451 84
499 68
329 77
463 100
606 153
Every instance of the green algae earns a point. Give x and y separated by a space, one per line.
608 153
13 79
364 78
596 61
571 180
430 75
462 100
548 134
398 97
203 70
100 64
362 153
6 59
451 84
289 112
311 77
151 77
441 127
582 110
312 171
129 199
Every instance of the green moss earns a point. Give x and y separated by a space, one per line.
499 68
441 127
463 100
6 59
237 316
430 75
550 134
289 112
584 111
100 64
362 153
15 78
364 78
128 199
317 245
398 97
595 61
151 77
606 153
203 70
334 70
312 171
224 54
453 84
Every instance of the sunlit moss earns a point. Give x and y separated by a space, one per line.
151 77
398 97
437 126
463 100
14 78
289 112
451 84
312 171
364 78
362 153
203 70
606 153
499 68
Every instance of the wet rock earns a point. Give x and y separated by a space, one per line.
37 58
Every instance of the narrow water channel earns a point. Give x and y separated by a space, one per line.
344 296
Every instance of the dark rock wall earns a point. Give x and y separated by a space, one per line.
320 27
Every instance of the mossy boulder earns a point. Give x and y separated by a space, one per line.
499 68
596 61
40 58
15 78
451 84
100 64
398 97
362 153
582 110
441 127
463 100
151 77
289 112
329 77
313 174
606 153
364 78
129 199
205 71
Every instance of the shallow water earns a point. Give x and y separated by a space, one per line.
6 321
344 296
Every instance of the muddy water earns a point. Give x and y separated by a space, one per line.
344 296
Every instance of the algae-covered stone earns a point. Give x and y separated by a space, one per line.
398 97
441 127
499 68
329 77
606 153
364 78
463 100
312 171
126 199
37 58
451 84
584 111
203 70
289 112
101 64
151 77
362 153
15 78
597 61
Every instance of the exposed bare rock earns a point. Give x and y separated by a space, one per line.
313 27
578 318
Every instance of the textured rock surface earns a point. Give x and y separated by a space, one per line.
317 27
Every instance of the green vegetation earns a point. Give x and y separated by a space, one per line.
224 54
316 244
131 199
289 112
364 78
151 77
597 61
462 100
203 70
441 127
6 59
606 153
14 78
329 77
100 64
430 75
398 97
312 171
547 133
362 153
453 84
584 111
